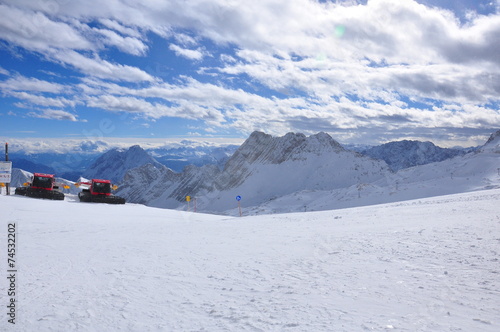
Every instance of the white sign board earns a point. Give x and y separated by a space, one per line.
6 166
4 177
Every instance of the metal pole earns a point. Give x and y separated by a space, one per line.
239 207
7 185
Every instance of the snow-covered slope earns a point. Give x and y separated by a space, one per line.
267 167
19 177
405 154
113 164
263 167
161 187
474 171
426 265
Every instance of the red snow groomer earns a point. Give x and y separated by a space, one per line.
41 186
98 191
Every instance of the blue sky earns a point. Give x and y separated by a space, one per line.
366 72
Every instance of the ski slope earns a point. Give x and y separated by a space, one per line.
423 265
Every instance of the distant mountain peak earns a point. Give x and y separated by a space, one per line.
406 153
493 143
493 137
113 164
275 150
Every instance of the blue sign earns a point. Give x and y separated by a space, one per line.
238 198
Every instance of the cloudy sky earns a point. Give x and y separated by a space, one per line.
364 71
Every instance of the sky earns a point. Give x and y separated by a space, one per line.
366 72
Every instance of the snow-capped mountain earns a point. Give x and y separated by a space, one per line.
493 143
477 170
405 154
297 173
113 164
263 168
266 167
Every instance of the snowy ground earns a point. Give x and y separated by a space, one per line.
424 265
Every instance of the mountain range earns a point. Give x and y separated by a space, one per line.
476 170
267 169
85 160
314 172
263 167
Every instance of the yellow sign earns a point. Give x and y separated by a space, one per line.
2 184
115 187
66 186
188 198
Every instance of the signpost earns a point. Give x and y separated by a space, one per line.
5 172
5 177
10 169
238 198
6 166
188 199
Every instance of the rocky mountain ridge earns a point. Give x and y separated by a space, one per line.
262 168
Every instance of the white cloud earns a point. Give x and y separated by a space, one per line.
141 107
336 66
35 31
43 101
21 83
130 45
61 41
246 112
112 24
54 115
186 53
101 68
381 29
185 40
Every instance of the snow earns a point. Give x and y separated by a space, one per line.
424 265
